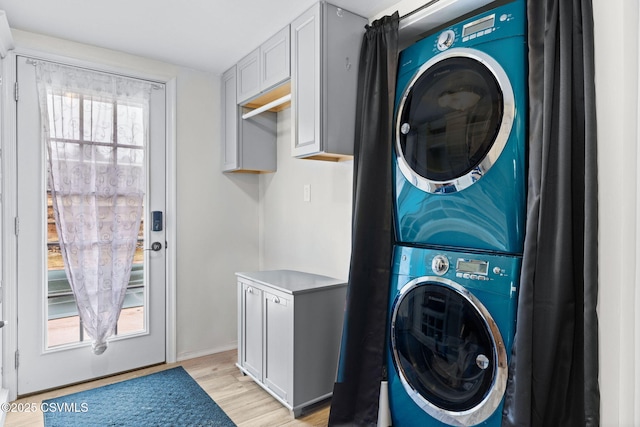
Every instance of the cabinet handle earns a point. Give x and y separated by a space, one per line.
276 300
249 290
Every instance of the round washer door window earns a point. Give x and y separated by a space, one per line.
448 351
453 120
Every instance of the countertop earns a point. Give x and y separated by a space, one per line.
291 281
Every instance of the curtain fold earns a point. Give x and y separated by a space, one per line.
554 367
361 364
94 126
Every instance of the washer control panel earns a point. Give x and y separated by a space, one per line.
472 269
465 268
495 273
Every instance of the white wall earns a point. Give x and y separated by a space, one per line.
616 50
312 236
217 222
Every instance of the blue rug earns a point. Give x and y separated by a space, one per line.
166 398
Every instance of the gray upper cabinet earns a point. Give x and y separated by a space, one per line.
229 121
275 59
265 67
249 145
248 76
325 48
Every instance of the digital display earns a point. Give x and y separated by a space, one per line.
472 266
479 25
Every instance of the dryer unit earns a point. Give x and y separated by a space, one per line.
452 322
460 135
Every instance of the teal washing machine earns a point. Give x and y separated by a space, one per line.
452 322
460 134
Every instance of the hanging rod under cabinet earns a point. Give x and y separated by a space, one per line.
268 106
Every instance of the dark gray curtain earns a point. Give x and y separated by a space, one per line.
554 370
356 392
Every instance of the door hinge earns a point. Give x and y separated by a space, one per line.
17 358
15 91
17 225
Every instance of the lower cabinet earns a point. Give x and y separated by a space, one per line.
289 329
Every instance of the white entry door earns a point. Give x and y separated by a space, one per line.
53 349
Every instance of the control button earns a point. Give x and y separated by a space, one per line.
445 40
474 277
466 275
496 270
458 274
503 17
440 264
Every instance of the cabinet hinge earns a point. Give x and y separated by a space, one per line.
15 91
17 225
17 358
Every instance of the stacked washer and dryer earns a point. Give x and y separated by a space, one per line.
460 200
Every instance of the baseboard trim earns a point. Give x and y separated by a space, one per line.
193 354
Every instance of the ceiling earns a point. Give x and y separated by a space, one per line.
206 35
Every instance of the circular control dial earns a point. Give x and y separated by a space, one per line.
440 265
446 39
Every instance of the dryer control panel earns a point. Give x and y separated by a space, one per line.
498 23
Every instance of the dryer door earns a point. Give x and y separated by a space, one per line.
453 120
448 351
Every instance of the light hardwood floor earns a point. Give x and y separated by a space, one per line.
241 398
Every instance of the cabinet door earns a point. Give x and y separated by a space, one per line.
229 121
305 83
249 76
278 345
275 59
252 330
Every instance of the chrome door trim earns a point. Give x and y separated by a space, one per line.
492 400
476 173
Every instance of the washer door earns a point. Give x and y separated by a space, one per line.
453 120
448 351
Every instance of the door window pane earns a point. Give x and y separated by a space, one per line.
91 133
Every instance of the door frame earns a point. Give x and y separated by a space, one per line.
9 202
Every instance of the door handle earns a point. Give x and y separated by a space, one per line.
155 246
2 323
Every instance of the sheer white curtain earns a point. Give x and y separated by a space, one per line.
94 126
